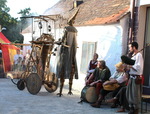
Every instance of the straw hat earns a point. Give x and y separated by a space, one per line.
119 65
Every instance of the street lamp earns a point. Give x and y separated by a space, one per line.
1 29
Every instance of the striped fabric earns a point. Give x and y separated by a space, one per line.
8 52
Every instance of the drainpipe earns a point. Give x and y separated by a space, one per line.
134 21
131 20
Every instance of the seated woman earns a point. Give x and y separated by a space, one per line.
119 77
92 65
99 76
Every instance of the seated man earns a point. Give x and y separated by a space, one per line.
92 66
100 75
119 77
121 98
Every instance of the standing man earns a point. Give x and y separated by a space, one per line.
133 92
67 65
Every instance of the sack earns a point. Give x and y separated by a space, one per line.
111 87
138 80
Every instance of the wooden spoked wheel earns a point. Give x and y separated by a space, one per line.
51 84
33 83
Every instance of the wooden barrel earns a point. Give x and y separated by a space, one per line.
89 94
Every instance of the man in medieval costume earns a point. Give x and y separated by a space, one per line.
66 64
133 92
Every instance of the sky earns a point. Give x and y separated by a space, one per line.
38 6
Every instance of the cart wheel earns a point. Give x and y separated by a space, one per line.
21 84
33 83
53 84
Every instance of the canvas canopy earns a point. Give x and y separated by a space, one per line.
8 52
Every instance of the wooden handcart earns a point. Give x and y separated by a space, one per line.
38 68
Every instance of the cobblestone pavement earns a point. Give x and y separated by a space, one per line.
14 101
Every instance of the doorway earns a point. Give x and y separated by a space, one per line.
147 50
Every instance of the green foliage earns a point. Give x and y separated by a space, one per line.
25 12
12 25
5 18
25 21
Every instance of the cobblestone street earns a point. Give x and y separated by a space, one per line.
14 101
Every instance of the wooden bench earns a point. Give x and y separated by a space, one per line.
145 97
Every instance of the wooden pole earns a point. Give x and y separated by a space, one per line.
16 44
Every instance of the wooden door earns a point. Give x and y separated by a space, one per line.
147 50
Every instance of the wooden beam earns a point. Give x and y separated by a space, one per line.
16 44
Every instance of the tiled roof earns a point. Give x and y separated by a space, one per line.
92 12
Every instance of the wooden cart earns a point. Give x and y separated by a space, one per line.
38 68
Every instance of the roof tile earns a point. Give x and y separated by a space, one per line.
91 12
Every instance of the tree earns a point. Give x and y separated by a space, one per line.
24 20
25 12
14 26
12 31
5 18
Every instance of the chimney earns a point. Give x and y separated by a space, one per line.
76 3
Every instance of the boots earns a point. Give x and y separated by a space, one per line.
136 111
98 102
61 86
131 111
70 88
71 81
121 110
111 100
115 104
96 105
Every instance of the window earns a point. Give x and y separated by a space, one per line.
88 50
